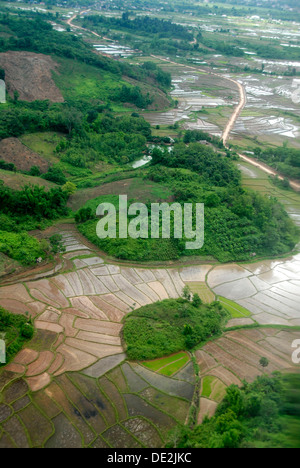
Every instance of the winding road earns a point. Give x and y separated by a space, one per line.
235 115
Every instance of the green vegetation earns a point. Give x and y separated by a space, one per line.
88 133
206 385
285 160
169 326
7 166
32 203
38 35
15 330
160 35
262 414
56 243
168 365
142 25
24 210
238 223
22 247
233 308
213 388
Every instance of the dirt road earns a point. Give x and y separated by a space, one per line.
242 93
70 23
264 167
237 111
233 119
231 122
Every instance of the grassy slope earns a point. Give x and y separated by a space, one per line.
81 81
17 181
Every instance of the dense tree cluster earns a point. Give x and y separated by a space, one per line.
7 166
203 160
261 414
33 201
119 139
169 326
238 222
24 210
132 94
140 25
283 159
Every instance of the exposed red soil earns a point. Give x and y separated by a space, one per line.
13 151
40 364
30 75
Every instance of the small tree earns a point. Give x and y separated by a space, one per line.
196 300
56 244
16 96
27 330
69 187
35 171
264 362
186 293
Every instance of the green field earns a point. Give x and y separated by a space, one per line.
233 308
213 388
202 290
168 365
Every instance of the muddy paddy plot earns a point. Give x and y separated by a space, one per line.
111 390
237 354
144 431
104 365
134 381
16 431
168 385
120 438
65 435
195 91
268 99
86 394
171 405
37 426
207 408
139 407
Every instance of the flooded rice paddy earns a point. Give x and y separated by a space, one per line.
268 99
195 92
115 50
73 381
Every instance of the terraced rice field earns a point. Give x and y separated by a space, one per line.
268 289
76 410
264 115
194 91
168 365
235 357
234 309
254 178
73 379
